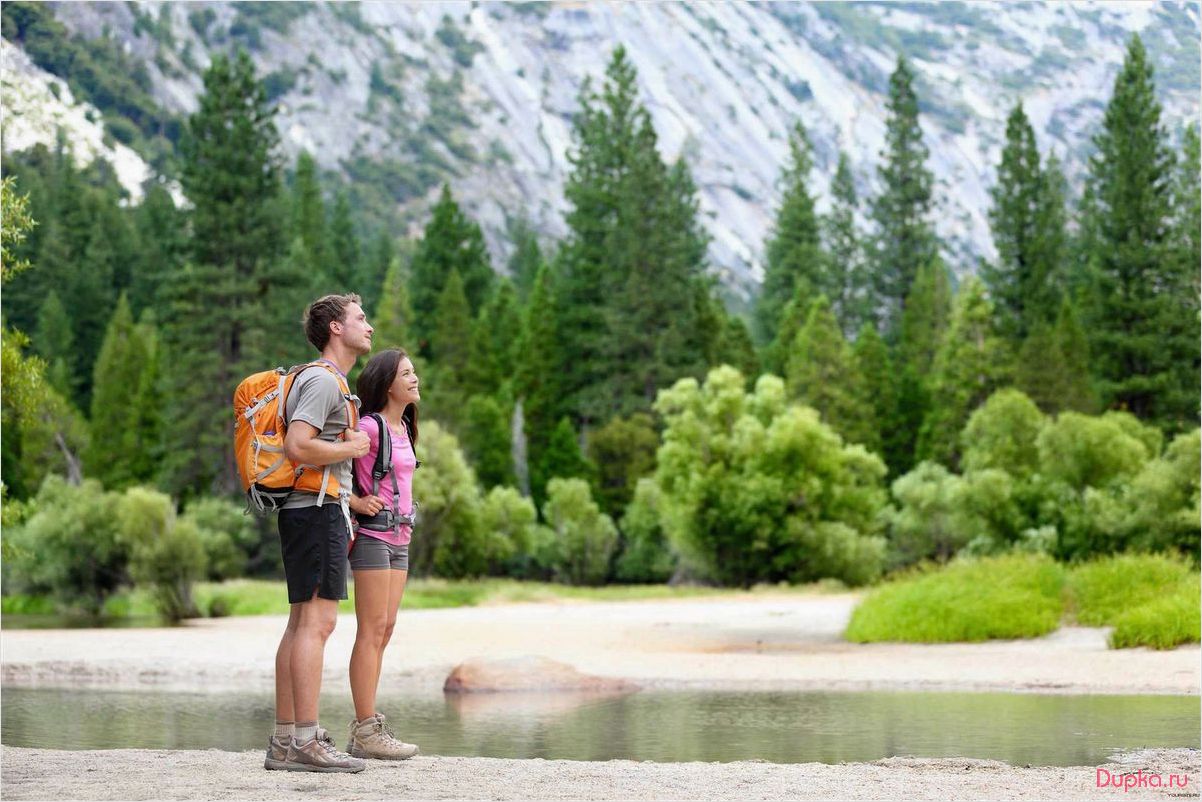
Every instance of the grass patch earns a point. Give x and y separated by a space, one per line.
1162 623
1102 590
270 597
1013 596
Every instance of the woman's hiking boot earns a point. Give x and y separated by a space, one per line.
320 754
371 738
277 752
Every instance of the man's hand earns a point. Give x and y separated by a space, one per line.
367 505
359 442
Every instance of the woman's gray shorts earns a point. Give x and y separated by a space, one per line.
370 553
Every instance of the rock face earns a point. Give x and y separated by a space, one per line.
482 95
531 673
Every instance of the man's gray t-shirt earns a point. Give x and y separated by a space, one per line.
316 399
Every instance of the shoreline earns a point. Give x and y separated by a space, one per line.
749 644
144 774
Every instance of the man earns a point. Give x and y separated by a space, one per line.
315 531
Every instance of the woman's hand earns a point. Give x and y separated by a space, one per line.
367 505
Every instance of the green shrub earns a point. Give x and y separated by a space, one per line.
511 520
227 536
448 539
645 555
1102 590
584 537
755 489
167 553
1163 623
1002 433
69 546
1013 596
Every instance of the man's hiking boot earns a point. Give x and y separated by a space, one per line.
320 754
277 752
371 738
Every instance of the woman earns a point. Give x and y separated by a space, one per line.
379 557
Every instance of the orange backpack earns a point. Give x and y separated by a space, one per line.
268 476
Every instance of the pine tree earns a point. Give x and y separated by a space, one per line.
905 240
628 273
822 373
450 345
345 269
144 443
89 296
1052 367
735 348
561 459
393 318
876 370
851 290
928 308
495 336
376 263
527 257
231 309
1027 219
537 373
794 253
486 441
793 318
1145 353
117 381
966 372
451 242
1184 258
53 342
163 236
309 217
1071 341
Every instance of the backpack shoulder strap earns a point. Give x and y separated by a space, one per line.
383 463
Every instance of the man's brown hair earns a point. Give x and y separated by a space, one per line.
324 311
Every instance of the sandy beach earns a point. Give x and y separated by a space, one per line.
745 642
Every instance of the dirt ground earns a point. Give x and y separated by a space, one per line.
752 642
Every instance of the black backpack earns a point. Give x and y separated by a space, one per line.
386 520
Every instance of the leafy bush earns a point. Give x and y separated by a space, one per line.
584 537
1085 451
753 487
1014 596
226 534
448 539
645 555
1002 434
1163 508
167 553
513 523
70 546
623 452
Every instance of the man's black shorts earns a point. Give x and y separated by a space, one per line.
314 542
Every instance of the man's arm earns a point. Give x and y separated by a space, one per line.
302 446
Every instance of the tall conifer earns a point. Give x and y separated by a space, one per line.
1144 339
905 240
794 257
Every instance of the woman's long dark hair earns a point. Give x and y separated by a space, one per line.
372 387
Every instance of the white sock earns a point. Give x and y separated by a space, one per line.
305 733
284 729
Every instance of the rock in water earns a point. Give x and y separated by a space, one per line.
530 673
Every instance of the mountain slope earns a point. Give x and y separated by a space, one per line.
397 98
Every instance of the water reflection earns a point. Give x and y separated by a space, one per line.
661 726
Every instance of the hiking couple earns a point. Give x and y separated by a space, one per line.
332 433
